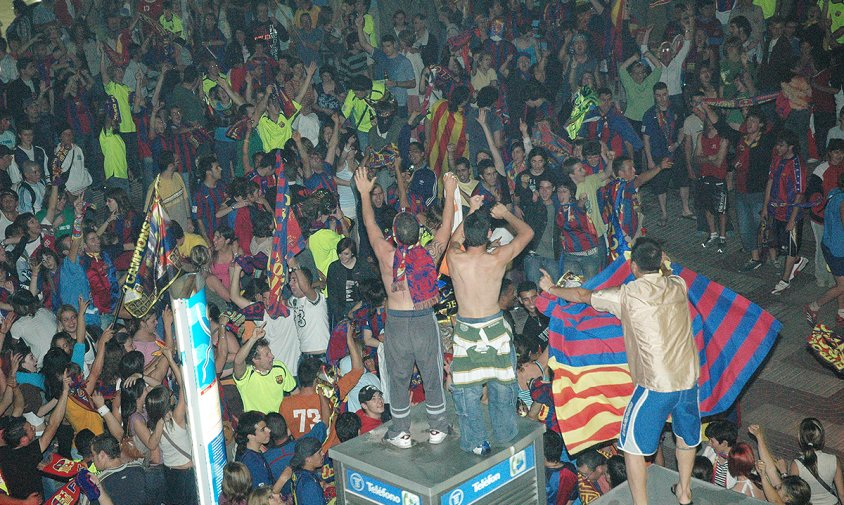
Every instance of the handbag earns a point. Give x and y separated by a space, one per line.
128 449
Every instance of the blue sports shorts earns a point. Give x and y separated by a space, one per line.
646 415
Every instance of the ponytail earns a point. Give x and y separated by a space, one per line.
811 439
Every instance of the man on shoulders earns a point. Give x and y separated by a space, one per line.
483 343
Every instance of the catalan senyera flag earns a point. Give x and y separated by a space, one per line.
446 128
156 262
592 382
287 242
617 18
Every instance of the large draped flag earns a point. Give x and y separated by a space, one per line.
155 264
287 242
592 382
446 128
616 30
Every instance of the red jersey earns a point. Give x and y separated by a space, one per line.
367 424
709 146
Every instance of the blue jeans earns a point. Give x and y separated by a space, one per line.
150 172
748 210
588 266
502 413
533 262
226 153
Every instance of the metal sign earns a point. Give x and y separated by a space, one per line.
205 421
374 490
492 479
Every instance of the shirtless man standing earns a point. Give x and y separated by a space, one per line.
410 272
483 349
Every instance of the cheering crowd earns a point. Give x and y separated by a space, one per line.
372 200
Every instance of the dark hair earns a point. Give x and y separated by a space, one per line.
604 91
82 441
459 96
485 164
616 470
790 138
388 37
24 303
487 96
157 405
360 83
347 426
305 448
107 444
347 243
742 24
121 199
372 291
277 425
15 431
659 85
505 285
262 342
812 438
592 459
129 396
226 232
591 148
647 254
406 228
309 370
552 443
176 230
476 228
526 286
53 366
246 425
205 164
702 469
165 159
263 224
54 342
796 490
722 430
618 164
190 74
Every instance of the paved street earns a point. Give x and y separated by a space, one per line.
792 384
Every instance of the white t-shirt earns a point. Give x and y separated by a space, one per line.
836 132
346 196
284 340
308 126
418 67
311 323
36 331
692 128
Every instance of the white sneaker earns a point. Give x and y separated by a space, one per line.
798 267
780 287
402 440
436 437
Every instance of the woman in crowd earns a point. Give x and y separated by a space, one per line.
119 231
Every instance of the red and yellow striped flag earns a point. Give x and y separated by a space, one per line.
590 402
446 128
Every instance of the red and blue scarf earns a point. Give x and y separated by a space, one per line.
414 265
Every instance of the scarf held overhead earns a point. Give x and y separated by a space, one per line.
592 384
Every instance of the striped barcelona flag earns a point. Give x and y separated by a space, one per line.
287 242
446 128
592 382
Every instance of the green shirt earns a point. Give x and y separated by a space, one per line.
640 97
64 229
114 155
265 393
121 93
589 188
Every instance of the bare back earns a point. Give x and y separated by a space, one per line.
476 275
400 300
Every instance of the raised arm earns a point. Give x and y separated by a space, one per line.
577 295
240 357
365 185
490 140
443 233
643 179
524 233
234 287
306 84
363 39
56 417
